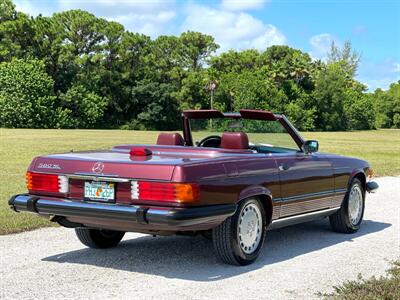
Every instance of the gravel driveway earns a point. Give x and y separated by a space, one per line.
296 262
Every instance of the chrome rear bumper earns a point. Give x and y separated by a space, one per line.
159 216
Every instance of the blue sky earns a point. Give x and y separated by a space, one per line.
373 27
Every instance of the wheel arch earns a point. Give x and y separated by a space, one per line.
265 196
360 175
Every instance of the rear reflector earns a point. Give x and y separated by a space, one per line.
164 191
46 182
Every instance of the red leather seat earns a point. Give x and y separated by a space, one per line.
172 139
234 140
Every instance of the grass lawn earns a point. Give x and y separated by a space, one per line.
18 146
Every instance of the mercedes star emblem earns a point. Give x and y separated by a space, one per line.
98 167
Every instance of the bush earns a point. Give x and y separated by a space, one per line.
26 95
387 106
359 111
374 288
80 108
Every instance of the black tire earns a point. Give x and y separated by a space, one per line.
226 238
207 234
96 238
341 221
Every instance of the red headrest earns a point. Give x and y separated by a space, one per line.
234 140
174 139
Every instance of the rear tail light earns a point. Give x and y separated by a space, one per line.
46 182
164 191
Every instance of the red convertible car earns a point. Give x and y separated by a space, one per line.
254 172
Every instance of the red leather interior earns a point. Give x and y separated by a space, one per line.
173 139
234 140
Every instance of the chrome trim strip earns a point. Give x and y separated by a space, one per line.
324 194
292 220
98 177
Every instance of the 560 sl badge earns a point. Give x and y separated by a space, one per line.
49 166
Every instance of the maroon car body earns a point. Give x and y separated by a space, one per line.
292 187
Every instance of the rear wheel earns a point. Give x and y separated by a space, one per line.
349 217
99 238
239 239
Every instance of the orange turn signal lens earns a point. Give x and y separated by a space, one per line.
29 183
186 192
41 182
164 191
370 173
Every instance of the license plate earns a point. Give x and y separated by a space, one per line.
100 191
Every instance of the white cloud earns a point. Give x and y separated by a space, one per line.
112 8
149 24
232 30
32 9
321 44
236 5
379 74
151 17
396 67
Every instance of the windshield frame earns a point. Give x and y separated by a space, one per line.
251 114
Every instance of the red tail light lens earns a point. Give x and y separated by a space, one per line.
140 151
46 182
164 191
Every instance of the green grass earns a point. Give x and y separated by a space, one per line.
384 287
18 146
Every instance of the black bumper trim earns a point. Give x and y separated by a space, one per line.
167 216
372 186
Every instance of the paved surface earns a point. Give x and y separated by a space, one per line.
296 262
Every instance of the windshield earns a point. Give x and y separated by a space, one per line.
264 136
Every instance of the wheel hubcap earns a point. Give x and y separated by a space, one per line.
355 205
249 228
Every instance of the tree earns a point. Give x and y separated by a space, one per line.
347 57
387 106
285 63
26 95
16 37
196 48
7 11
101 75
359 110
158 110
329 95
80 108
236 61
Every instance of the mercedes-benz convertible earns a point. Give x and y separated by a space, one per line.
228 176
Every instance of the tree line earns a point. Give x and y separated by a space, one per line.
74 70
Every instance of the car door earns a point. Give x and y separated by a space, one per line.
306 182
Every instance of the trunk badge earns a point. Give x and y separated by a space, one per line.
98 167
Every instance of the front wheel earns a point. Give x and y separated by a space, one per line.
239 239
99 238
349 217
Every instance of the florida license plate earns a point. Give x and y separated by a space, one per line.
100 191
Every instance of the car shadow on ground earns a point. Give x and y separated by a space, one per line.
193 258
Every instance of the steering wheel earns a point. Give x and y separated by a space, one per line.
213 141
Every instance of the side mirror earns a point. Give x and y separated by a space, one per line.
310 146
